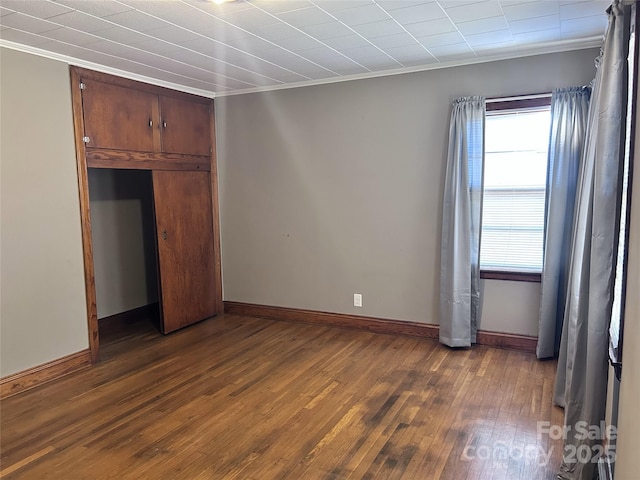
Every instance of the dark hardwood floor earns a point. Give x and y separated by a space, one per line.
244 398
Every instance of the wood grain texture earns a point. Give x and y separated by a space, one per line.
215 211
185 247
119 117
85 216
36 376
245 398
111 158
372 324
185 126
512 276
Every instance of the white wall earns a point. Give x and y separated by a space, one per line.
331 190
42 313
123 240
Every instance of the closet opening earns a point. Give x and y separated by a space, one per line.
124 253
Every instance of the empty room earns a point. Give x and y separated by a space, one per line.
319 239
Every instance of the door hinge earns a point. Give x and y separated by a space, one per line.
86 139
82 86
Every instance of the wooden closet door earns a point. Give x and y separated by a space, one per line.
185 247
120 118
185 126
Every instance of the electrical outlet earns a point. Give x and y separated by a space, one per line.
357 299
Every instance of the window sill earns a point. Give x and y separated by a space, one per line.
512 276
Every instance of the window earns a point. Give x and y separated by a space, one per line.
515 169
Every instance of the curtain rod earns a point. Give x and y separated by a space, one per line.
518 97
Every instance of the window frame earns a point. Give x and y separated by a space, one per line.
505 104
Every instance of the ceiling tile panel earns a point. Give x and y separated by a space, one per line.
474 11
447 52
154 46
362 52
122 35
450 38
306 17
434 27
137 20
499 36
392 41
586 25
396 4
379 29
423 12
71 36
281 6
496 47
522 11
582 9
173 34
359 15
25 38
301 42
27 23
409 53
540 36
327 30
337 5
535 24
99 8
250 19
82 21
36 8
277 31
482 26
347 41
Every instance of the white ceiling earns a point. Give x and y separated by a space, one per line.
251 45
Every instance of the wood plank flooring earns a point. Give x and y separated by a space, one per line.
245 398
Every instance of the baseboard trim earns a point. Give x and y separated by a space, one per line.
372 324
121 320
33 377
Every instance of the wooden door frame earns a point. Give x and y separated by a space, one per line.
76 74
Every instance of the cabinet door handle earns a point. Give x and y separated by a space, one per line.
164 235
150 123
164 124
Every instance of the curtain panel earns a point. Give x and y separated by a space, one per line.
569 110
461 216
581 380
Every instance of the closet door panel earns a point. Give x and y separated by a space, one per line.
185 247
120 118
185 126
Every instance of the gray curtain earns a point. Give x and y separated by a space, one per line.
569 110
581 381
462 206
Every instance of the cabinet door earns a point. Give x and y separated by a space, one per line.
119 118
185 126
185 247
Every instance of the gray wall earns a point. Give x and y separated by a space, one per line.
124 244
42 314
331 190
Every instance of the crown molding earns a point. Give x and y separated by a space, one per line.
540 49
104 69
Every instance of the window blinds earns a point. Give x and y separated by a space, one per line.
516 144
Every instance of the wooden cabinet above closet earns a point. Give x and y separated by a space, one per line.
128 124
124 124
